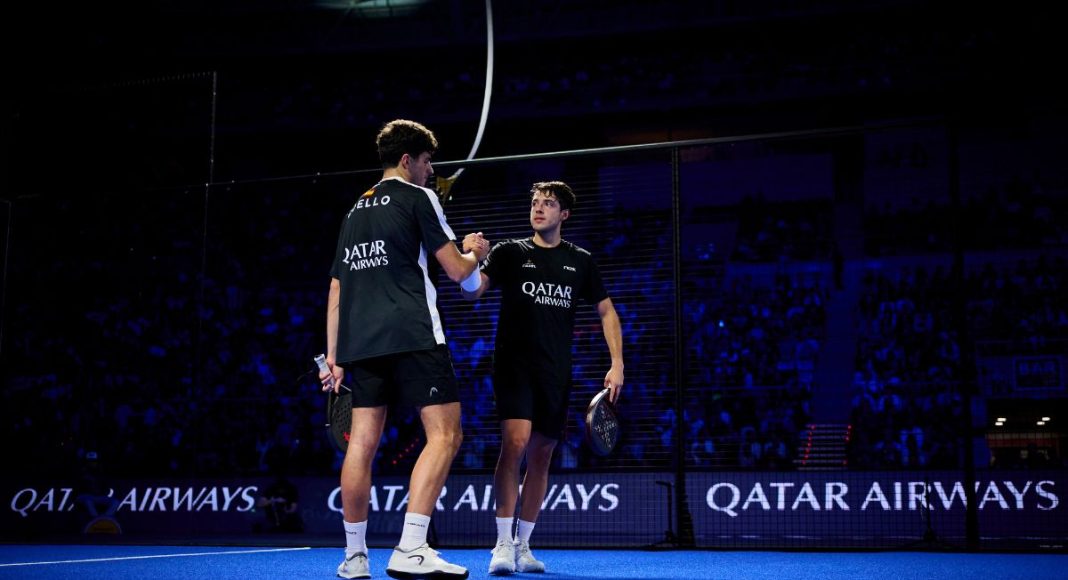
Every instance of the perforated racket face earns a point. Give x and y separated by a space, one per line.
339 417
602 425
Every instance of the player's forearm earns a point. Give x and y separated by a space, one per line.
478 292
470 266
457 266
333 315
613 332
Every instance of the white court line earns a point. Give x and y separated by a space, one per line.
153 556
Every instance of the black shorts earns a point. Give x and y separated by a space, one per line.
417 378
522 392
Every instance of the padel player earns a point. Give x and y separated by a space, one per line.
542 278
383 329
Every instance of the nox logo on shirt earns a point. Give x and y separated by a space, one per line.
550 294
366 255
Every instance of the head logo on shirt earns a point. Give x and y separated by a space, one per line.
529 264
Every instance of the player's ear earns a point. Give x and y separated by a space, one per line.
565 214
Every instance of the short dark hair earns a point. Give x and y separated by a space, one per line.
560 190
402 136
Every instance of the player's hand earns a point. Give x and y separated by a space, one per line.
613 380
471 241
477 244
332 381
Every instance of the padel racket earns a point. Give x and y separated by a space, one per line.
339 417
338 412
602 424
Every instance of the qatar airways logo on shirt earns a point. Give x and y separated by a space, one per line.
549 294
366 255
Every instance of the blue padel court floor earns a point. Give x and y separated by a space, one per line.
120 562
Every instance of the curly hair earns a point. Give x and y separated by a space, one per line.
558 189
402 136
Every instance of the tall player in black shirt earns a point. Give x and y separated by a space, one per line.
383 328
541 278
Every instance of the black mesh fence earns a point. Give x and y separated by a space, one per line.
813 359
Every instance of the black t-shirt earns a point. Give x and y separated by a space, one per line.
540 288
388 301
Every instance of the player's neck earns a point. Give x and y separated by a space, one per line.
547 239
396 172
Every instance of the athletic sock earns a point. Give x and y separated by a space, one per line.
355 538
504 528
413 534
525 529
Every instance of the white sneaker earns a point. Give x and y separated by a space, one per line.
355 566
525 560
423 562
503 560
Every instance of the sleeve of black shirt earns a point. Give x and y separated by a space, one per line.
432 226
493 265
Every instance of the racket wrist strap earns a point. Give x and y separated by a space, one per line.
320 361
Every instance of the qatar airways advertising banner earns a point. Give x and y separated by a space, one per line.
727 509
587 509
856 509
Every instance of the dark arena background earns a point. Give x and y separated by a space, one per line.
836 234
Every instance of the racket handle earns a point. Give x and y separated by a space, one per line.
323 367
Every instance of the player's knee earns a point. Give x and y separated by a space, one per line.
362 446
448 439
514 444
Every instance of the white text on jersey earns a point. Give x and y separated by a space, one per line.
368 202
366 255
546 293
